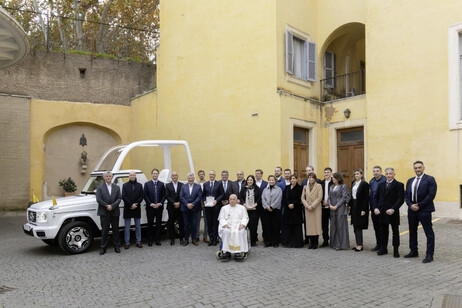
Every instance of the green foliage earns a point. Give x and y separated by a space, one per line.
126 29
68 185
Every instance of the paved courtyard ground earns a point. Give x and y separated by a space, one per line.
166 276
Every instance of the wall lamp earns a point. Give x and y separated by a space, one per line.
347 113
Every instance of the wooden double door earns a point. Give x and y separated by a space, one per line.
350 152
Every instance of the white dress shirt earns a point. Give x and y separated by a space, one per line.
354 190
413 188
109 188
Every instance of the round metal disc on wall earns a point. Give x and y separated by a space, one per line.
14 45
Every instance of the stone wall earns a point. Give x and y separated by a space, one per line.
77 78
14 151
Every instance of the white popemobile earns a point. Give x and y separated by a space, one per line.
72 223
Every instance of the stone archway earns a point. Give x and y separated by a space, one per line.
62 153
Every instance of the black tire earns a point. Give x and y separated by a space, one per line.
51 242
75 237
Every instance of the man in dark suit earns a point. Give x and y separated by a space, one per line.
172 191
227 186
420 192
374 184
108 197
239 184
325 216
132 195
259 180
154 194
213 189
308 170
190 198
388 199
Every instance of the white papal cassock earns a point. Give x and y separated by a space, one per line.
233 239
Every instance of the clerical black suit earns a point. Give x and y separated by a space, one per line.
215 190
174 214
154 192
389 196
238 188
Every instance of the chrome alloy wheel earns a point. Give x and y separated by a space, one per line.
77 238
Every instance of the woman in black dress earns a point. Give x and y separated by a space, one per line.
359 207
293 211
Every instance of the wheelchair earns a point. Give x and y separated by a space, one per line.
241 256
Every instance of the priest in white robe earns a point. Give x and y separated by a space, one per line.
233 219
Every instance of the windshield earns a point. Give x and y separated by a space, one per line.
92 184
94 181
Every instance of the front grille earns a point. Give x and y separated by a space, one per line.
31 216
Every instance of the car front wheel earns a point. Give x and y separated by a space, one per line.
75 237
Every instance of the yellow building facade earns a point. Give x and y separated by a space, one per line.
344 84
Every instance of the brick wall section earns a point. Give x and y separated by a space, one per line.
56 76
14 152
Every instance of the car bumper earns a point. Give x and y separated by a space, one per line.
41 232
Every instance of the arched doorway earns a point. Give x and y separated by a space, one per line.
62 153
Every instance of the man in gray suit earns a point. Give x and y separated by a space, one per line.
108 197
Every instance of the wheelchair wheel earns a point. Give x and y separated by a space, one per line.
219 255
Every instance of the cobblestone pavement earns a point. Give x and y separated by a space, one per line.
166 276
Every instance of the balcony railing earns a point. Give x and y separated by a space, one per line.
343 86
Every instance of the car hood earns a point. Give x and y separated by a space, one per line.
64 202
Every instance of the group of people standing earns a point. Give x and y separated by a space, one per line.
281 204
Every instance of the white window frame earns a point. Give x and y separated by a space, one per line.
454 78
308 60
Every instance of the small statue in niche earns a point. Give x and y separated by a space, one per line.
83 158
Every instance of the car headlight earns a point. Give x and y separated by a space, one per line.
42 217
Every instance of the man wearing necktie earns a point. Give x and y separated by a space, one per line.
154 192
420 192
213 189
388 198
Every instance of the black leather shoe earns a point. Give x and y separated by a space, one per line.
253 244
396 252
275 245
215 243
325 244
185 243
172 242
382 252
267 244
195 242
139 245
210 243
427 259
356 249
412 254
102 251
158 243
181 242
150 244
376 248
117 249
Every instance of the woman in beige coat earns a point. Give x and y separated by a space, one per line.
311 199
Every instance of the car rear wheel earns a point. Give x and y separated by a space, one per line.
75 237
